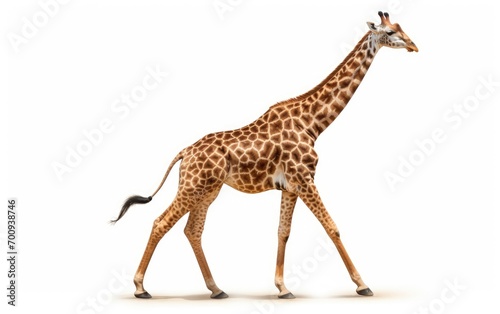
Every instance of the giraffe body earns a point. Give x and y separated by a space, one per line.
255 158
276 151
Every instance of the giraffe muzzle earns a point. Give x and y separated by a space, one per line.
412 47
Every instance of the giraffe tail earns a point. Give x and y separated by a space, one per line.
137 199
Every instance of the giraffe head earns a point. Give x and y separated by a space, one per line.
391 35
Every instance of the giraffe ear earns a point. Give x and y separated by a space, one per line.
371 26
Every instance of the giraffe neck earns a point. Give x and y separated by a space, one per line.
321 105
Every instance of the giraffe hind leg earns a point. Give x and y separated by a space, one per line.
193 231
160 227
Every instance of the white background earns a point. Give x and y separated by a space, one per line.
225 69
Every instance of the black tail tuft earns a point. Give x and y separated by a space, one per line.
136 199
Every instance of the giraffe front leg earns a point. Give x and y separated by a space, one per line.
288 201
311 198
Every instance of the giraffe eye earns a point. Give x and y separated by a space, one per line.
390 33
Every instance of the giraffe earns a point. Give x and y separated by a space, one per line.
275 152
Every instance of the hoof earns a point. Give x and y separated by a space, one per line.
365 292
220 295
289 295
144 295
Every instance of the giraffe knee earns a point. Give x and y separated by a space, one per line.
284 233
157 231
191 234
160 227
283 238
157 221
187 232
